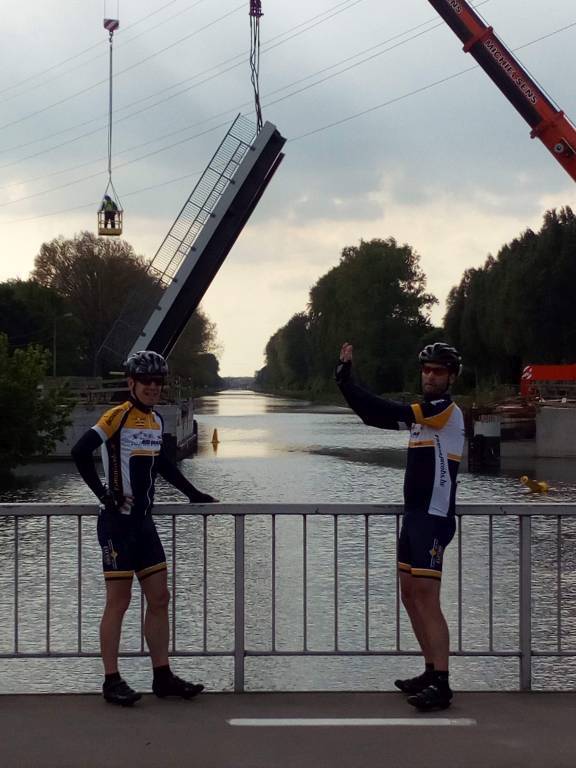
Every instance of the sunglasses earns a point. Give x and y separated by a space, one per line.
151 380
438 370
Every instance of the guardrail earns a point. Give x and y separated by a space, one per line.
277 564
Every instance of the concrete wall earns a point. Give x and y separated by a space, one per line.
555 432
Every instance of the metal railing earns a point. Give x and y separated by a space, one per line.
282 564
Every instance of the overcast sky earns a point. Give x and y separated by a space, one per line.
451 170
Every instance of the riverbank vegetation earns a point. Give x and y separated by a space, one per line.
514 310
52 327
518 308
36 414
75 293
374 298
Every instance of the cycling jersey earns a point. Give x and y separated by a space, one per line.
435 447
130 437
131 443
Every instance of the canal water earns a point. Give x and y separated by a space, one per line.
279 450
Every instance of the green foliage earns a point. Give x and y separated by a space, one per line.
35 417
193 357
518 308
288 363
205 372
198 338
21 317
34 314
375 298
92 278
95 276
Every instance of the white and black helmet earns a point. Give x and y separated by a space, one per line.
442 354
146 363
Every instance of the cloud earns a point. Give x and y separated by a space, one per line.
450 170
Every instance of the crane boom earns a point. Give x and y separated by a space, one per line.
548 124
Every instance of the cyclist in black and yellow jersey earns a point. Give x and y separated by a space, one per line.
435 449
130 438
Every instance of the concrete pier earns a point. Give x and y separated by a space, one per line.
555 429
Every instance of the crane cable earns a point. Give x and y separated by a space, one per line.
255 15
111 25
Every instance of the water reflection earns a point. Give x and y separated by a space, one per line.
281 450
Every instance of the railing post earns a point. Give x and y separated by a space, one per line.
239 618
525 602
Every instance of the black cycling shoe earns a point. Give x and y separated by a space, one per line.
119 692
432 698
172 685
414 685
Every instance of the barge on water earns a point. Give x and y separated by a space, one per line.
94 396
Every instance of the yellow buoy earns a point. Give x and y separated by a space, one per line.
215 440
536 486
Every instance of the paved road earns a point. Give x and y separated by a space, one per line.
511 729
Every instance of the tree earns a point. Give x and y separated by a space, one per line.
30 314
518 307
37 416
95 276
16 321
193 355
98 279
197 338
205 372
288 357
376 299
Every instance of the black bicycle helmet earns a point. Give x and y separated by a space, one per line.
146 363
442 354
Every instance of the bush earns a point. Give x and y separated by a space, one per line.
35 417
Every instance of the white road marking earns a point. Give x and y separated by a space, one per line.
303 722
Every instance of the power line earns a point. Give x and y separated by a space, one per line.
334 124
92 47
116 167
228 111
347 69
77 55
92 204
239 107
40 152
333 11
424 88
240 59
121 72
293 93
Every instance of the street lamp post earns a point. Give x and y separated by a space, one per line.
58 317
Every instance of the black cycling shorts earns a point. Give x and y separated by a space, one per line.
130 545
422 542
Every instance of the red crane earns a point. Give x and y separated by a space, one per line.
548 123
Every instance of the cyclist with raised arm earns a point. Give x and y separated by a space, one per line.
435 450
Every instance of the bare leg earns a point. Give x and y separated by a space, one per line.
118 593
431 622
156 624
407 592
